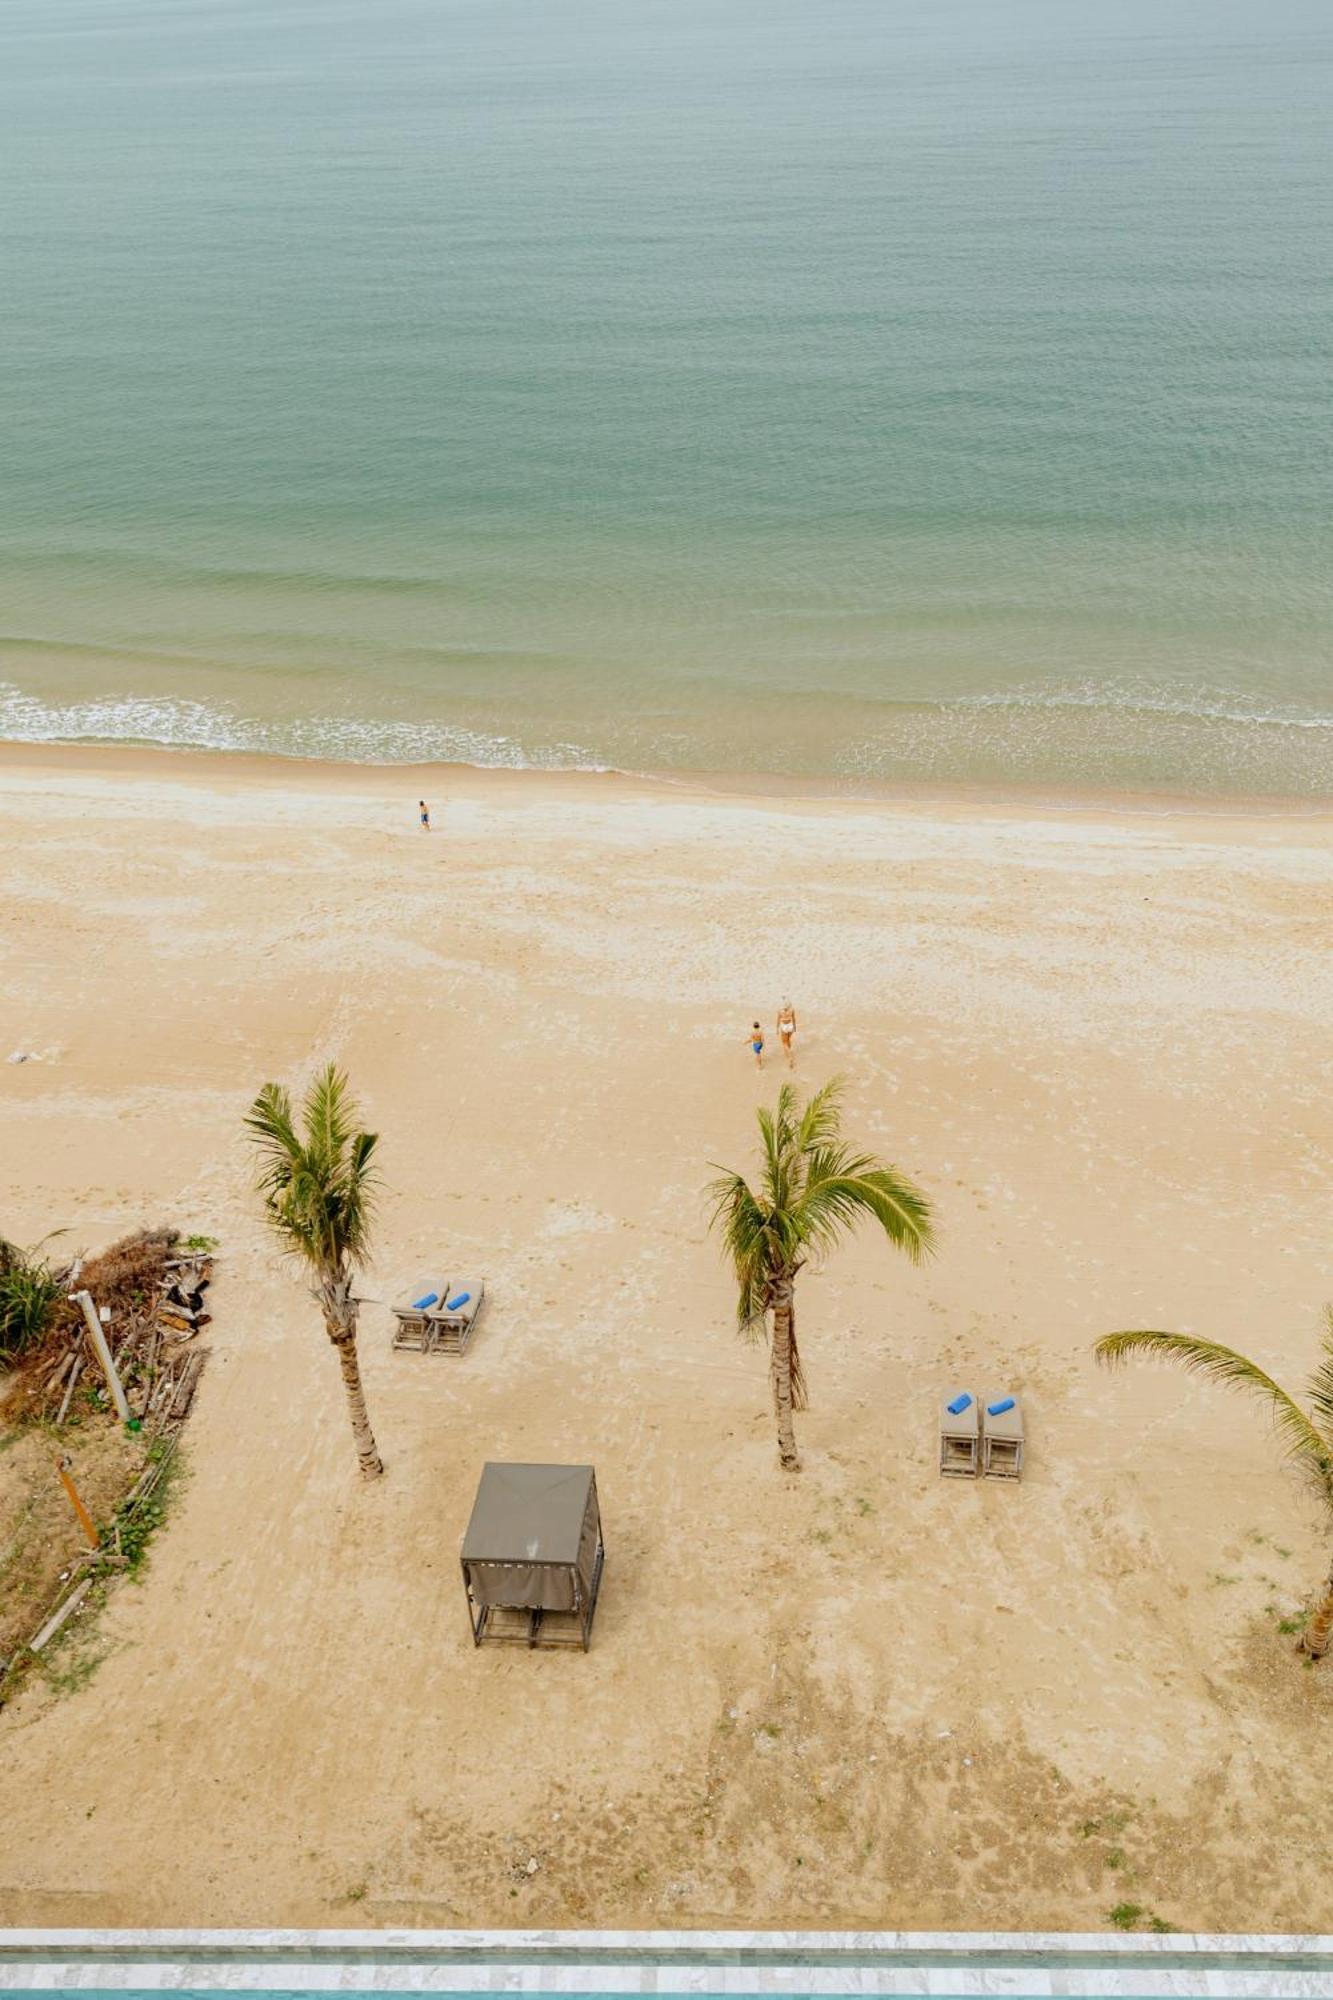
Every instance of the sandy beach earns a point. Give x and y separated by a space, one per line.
862 1696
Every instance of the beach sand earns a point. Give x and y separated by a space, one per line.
861 1696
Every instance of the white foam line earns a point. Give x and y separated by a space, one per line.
173 724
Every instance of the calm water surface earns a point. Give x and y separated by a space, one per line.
850 388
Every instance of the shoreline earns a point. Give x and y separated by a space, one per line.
271 771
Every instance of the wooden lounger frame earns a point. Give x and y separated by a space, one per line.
960 1440
1004 1439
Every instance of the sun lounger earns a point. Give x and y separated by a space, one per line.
1002 1436
412 1311
960 1435
456 1314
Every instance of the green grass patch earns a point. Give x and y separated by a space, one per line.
1134 1917
133 1527
1126 1916
66 1674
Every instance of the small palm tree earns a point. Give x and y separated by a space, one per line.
812 1189
1306 1436
318 1187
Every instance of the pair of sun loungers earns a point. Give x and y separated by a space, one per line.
437 1316
981 1439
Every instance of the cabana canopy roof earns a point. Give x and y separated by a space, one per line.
528 1514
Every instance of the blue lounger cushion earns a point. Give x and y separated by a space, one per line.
959 1404
427 1299
998 1409
459 1299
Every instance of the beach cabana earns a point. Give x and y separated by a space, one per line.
532 1555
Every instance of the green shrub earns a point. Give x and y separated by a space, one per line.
29 1294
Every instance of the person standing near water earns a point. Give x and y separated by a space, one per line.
787 1032
424 810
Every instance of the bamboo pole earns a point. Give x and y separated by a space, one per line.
70 1387
58 1617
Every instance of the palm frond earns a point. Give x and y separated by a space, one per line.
1299 1437
741 1222
786 1108
269 1122
820 1121
324 1114
775 1134
1320 1390
841 1186
356 1186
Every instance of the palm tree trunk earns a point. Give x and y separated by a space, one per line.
1315 1637
799 1399
782 1383
340 1320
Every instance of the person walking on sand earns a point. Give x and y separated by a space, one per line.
787 1032
756 1041
424 810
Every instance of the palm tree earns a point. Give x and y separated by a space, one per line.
1306 1436
812 1189
318 1187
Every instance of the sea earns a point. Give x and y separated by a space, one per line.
843 391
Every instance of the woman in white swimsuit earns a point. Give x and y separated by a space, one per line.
787 1032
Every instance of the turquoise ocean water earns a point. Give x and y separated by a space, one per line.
851 389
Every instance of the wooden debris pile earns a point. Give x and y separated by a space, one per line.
151 1297
158 1372
150 1334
